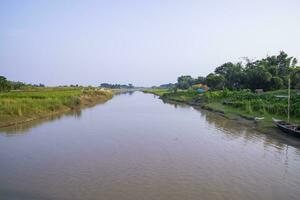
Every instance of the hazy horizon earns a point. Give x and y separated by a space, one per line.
140 42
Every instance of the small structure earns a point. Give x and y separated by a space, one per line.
200 88
259 91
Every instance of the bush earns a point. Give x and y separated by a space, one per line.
269 102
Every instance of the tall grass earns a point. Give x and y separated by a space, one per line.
22 105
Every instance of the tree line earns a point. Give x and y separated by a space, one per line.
7 85
270 73
116 86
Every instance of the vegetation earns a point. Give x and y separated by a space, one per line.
6 85
185 82
270 73
116 86
187 96
265 103
21 106
233 89
239 104
166 86
158 91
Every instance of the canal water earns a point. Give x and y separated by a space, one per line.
135 147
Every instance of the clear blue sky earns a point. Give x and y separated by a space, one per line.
140 42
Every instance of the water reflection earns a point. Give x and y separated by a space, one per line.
18 195
234 129
136 147
125 92
25 127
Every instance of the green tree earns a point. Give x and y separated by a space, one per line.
295 78
257 77
184 82
233 74
284 63
4 84
276 83
200 80
17 85
214 81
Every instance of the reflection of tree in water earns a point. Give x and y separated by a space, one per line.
234 129
124 92
130 92
176 104
231 128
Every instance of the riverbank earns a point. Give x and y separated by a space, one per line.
239 105
23 106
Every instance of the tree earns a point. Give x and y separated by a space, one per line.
214 81
4 84
199 80
17 85
269 73
257 77
284 63
295 78
168 85
184 82
294 62
224 68
276 83
130 86
233 74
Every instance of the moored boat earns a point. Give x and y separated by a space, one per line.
287 127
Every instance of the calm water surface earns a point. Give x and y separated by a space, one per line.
135 147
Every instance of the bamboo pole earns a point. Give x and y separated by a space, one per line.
289 98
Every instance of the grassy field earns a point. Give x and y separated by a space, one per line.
179 96
184 96
21 106
158 92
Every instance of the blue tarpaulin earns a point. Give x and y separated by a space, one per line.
200 90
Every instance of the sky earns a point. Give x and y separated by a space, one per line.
59 42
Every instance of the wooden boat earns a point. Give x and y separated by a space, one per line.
287 127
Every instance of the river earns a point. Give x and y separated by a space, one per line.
135 147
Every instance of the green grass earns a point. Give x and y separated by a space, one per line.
180 95
18 106
158 92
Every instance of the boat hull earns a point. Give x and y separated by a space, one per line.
285 127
